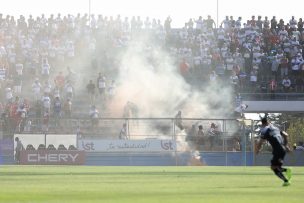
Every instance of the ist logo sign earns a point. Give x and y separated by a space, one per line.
167 145
88 146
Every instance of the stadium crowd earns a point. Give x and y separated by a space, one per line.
42 58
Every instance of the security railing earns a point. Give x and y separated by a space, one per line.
216 134
273 96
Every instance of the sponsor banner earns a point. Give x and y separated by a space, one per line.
46 157
7 146
126 145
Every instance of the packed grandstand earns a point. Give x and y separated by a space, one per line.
55 67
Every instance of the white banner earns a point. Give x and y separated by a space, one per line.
126 145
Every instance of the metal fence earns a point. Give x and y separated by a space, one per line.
233 144
226 135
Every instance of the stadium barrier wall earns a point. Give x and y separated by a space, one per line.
184 158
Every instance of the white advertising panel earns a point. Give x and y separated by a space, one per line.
93 145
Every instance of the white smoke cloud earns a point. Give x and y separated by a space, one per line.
149 77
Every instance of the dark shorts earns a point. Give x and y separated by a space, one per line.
278 158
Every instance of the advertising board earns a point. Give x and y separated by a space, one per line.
55 157
91 145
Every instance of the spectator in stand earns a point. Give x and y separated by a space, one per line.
91 91
18 149
45 69
47 88
234 79
94 115
199 24
71 76
259 23
275 67
36 87
226 24
21 117
300 25
266 23
124 135
167 25
67 108
273 23
56 92
8 94
101 84
69 90
272 87
60 81
284 66
213 134
111 89
131 109
286 84
200 135
178 120
293 23
18 78
46 101
295 64
213 77
57 106
45 123
299 84
184 68
302 70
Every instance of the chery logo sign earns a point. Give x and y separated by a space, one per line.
167 145
52 157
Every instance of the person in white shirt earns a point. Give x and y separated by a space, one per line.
213 77
9 94
111 89
239 110
69 90
293 23
126 25
19 69
45 68
226 23
36 87
199 24
238 23
123 135
147 23
94 115
47 88
46 101
101 84
234 81
286 84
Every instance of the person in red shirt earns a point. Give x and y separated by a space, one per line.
46 117
13 114
184 67
59 81
272 88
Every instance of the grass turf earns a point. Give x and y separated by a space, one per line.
146 184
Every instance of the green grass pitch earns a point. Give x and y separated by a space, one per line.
147 184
